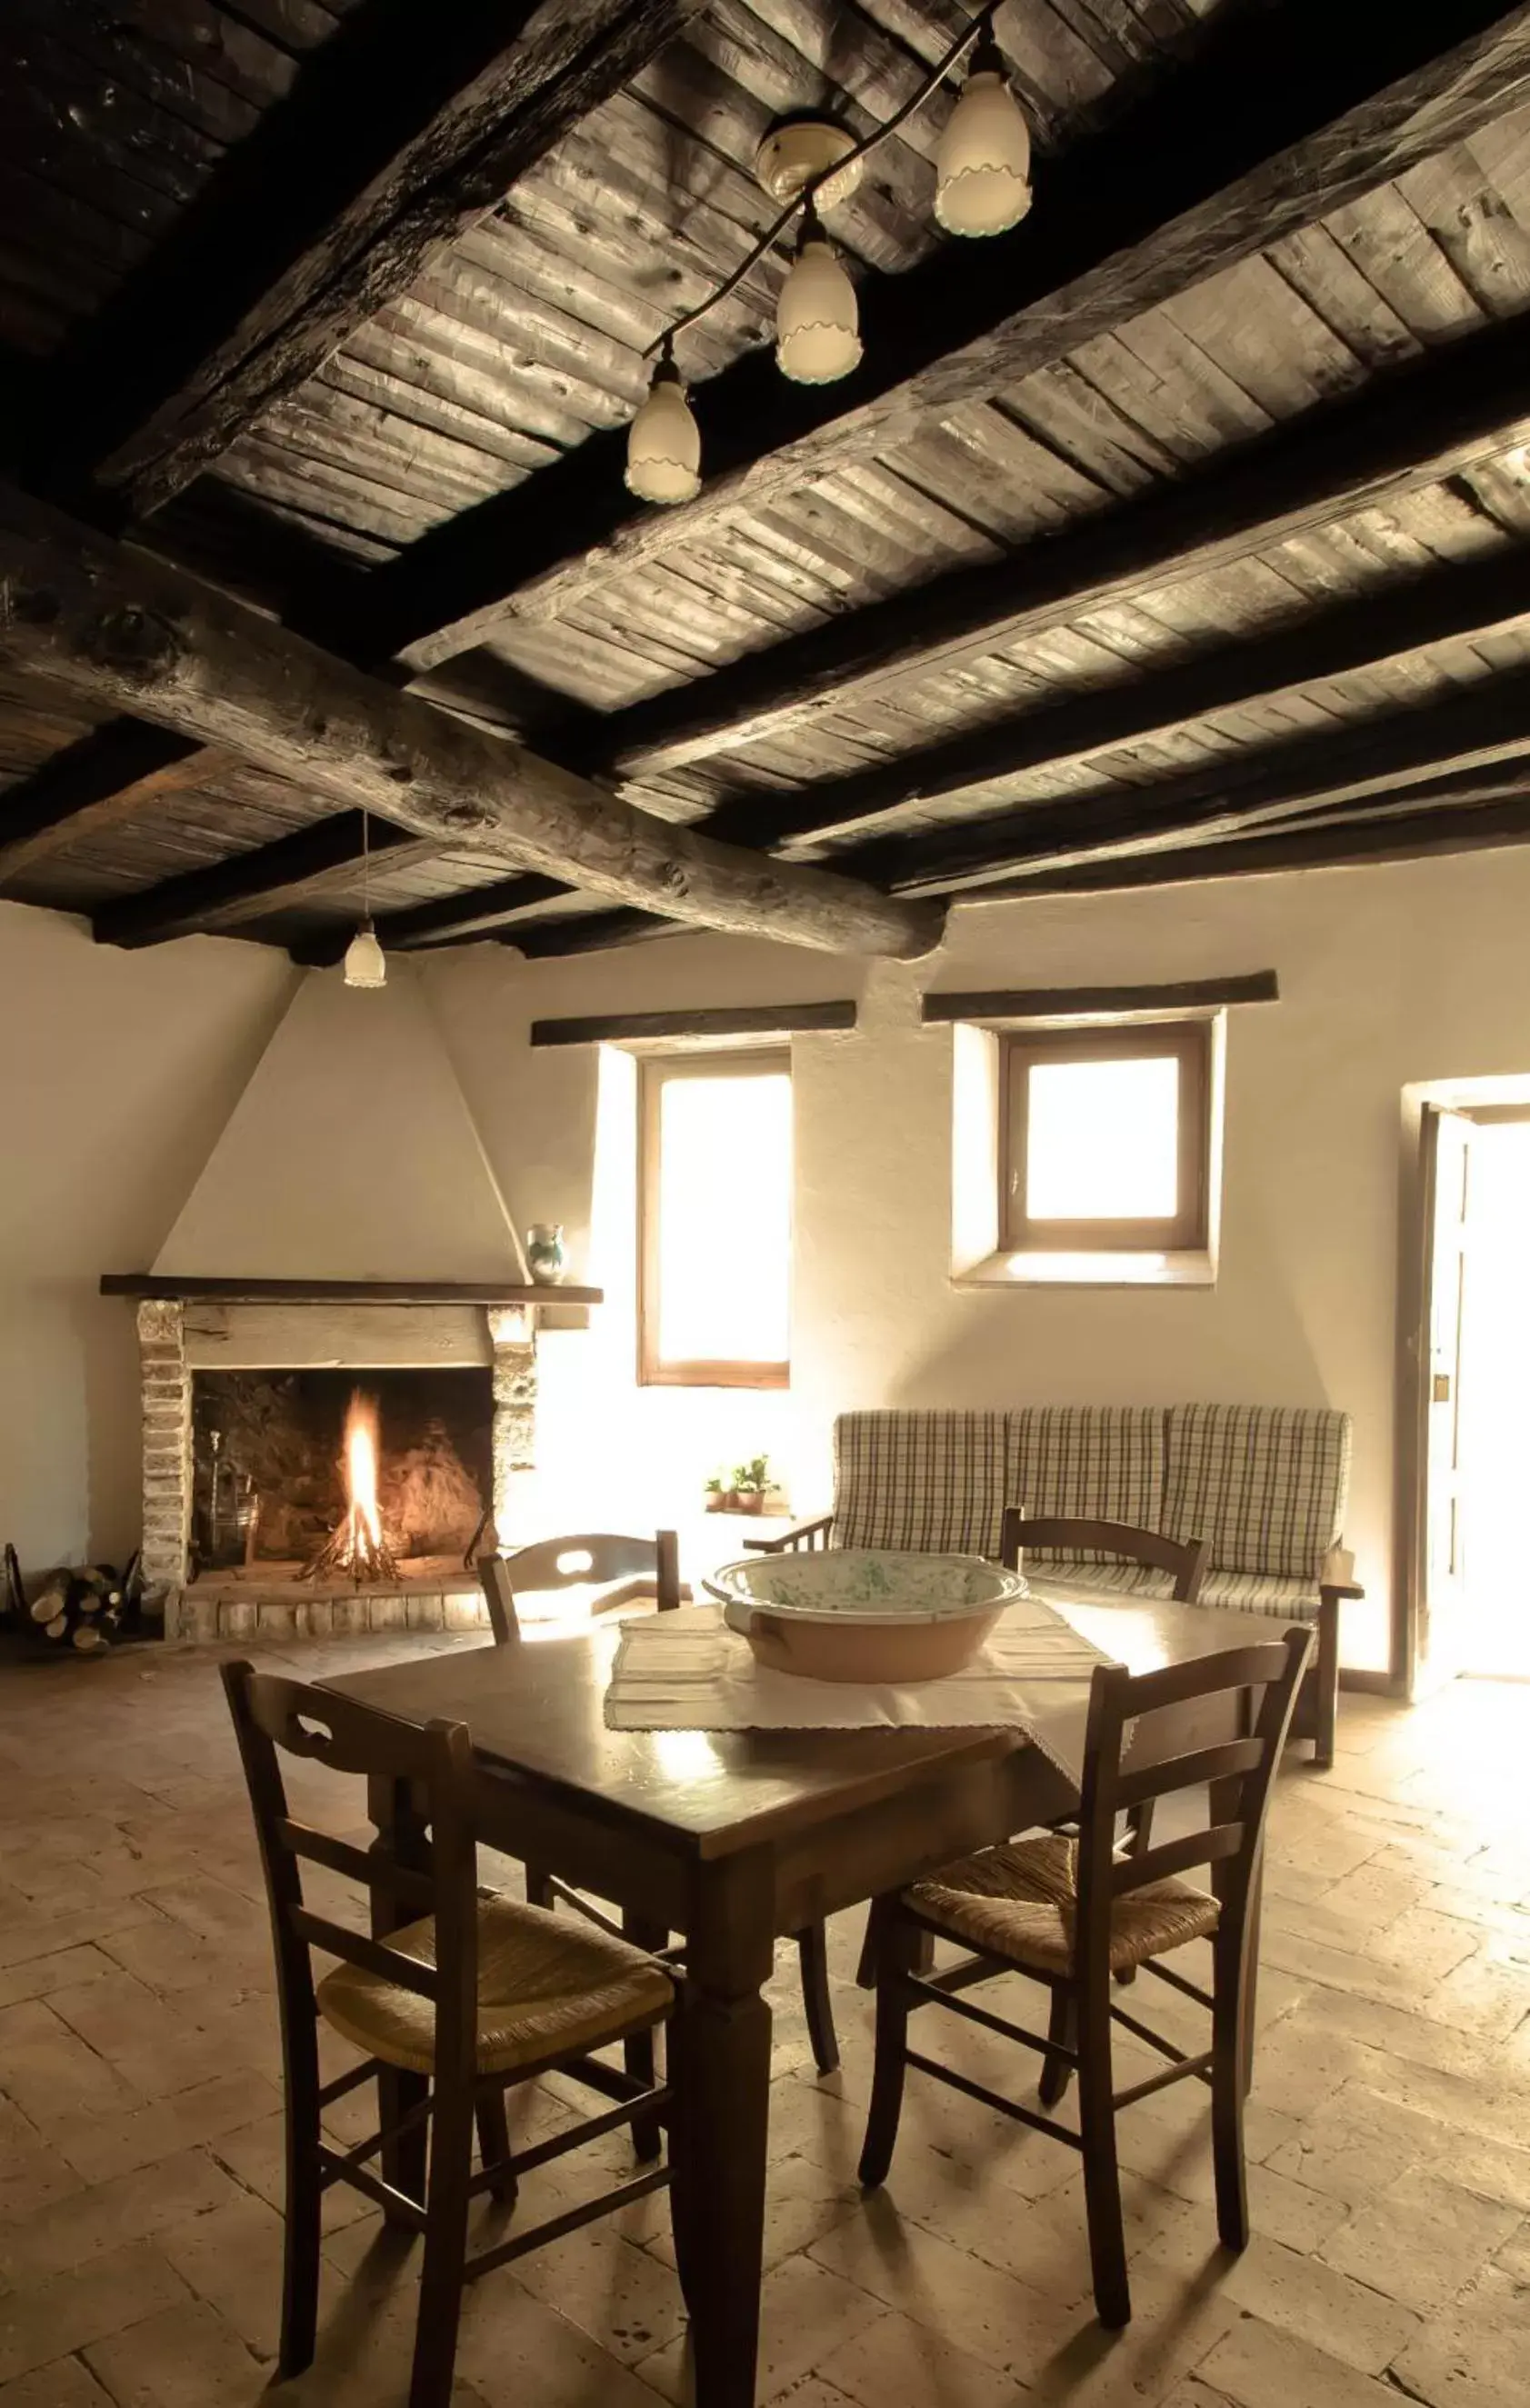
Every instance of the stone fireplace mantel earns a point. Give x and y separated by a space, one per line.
186 1326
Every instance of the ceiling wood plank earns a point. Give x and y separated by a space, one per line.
1485 722
446 920
119 628
1480 597
1283 115
585 932
118 770
269 878
1409 429
411 122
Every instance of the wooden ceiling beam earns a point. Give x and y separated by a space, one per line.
405 127
1280 116
584 932
1335 843
1411 428
269 878
1469 729
476 911
1370 631
118 770
123 630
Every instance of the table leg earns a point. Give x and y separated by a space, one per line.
723 2065
400 1834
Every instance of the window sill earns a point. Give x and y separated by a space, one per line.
1119 1270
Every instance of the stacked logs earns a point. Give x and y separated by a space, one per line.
86 1609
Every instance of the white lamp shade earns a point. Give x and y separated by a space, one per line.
982 164
818 324
365 962
664 445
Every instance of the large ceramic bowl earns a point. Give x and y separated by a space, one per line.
862 1614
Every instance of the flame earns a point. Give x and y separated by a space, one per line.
361 1471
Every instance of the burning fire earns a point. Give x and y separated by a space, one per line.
358 1546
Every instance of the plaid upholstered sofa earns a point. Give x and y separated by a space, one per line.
1264 1485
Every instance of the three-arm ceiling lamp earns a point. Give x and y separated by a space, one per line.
982 187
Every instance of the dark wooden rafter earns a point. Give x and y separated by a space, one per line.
293 1291
1334 842
1409 428
723 1021
409 123
118 770
1466 730
564 934
447 920
1100 1002
1368 631
271 876
1281 117
123 630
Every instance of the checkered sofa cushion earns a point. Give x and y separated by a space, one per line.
1104 1463
1110 1580
1264 1484
931 1482
1284 1600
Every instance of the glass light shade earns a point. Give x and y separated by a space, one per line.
663 444
982 164
365 962
818 324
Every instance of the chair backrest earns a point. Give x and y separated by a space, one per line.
1087 1541
1237 1774
584 1559
275 1718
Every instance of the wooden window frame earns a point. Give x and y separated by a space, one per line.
655 1071
1189 1230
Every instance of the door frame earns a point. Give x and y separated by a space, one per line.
1416 1238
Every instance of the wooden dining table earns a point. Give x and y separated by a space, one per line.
736 1839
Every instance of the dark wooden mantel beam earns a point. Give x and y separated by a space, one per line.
1409 428
1281 115
128 633
407 124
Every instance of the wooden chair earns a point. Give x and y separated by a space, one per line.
1054 1534
1068 1913
650 1565
455 1995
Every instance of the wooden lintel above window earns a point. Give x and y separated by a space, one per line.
1102 1002
746 1020
284 1291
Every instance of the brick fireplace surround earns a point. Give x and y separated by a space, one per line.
179 1337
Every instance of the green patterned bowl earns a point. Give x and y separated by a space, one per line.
865 1614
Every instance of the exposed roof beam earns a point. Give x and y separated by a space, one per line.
1323 844
121 629
407 126
119 769
1409 428
474 912
1370 631
1470 729
585 932
225 894
1283 115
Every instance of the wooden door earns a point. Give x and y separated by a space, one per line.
1442 1612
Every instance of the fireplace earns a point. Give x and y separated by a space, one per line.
250 1473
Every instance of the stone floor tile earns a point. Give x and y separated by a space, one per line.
1304 2295
1484 1995
1004 2322
109 2215
1368 2025
99 2147
185 2356
255 2157
1422 2241
32 2176
617 2293
232 2259
49 2320
1475 2357
896 2363
806 2312
42 2061
1257 2365
39 1932
44 1977
67 2383
517 2352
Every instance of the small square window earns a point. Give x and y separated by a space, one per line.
1106 1142
715 1206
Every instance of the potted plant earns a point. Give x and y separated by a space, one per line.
717 1493
751 1486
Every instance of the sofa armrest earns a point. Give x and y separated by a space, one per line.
1339 1588
802 1538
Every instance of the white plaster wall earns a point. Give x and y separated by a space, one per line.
117 1072
1390 975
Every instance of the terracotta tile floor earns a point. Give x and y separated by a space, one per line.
1390 2127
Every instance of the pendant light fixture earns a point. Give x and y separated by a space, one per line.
664 443
982 163
982 187
365 963
818 322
